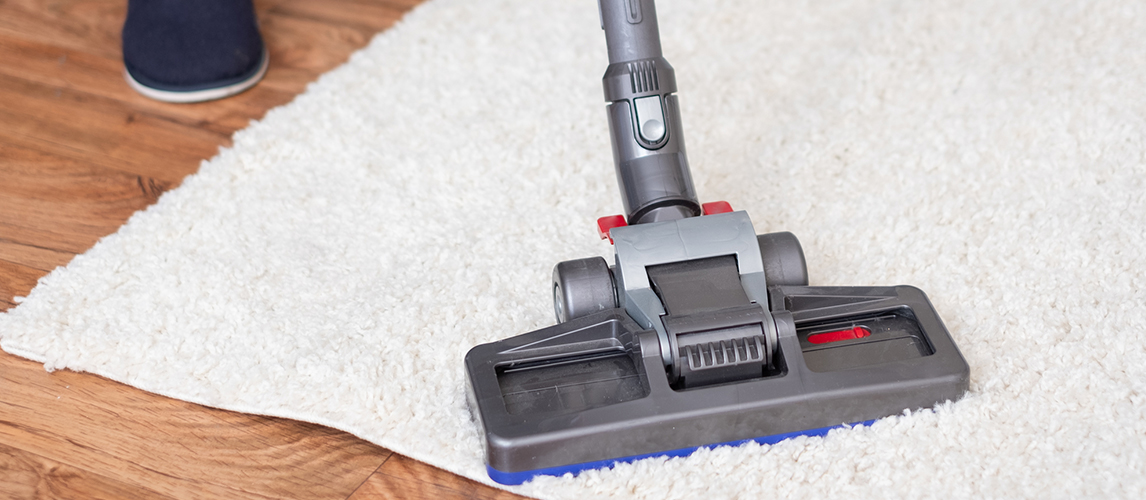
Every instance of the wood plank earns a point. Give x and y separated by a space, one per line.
306 46
88 25
173 447
37 175
383 487
16 281
101 76
38 258
371 16
404 477
138 143
62 151
93 26
96 113
52 207
26 475
300 49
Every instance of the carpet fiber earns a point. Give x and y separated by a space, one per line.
338 261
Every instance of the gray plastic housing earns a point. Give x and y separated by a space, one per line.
641 247
595 388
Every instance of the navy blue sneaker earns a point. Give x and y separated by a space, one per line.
192 50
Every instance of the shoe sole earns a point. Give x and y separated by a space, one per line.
199 95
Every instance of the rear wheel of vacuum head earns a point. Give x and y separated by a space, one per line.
582 287
783 257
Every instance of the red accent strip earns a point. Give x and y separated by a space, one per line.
716 207
857 332
604 224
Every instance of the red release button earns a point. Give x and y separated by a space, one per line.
857 332
604 224
716 207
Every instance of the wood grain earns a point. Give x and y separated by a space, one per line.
173 447
85 73
52 207
79 153
87 25
405 475
126 139
17 281
27 475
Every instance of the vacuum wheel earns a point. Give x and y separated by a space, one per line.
582 287
783 257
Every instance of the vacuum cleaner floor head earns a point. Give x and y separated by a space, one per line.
595 390
702 333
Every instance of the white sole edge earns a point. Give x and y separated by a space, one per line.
199 95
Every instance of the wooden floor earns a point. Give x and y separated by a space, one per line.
79 153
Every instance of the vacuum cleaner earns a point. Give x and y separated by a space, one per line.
702 333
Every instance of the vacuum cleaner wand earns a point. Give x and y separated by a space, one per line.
702 333
644 118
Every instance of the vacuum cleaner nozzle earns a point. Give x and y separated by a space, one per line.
702 333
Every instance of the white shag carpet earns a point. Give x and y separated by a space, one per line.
338 261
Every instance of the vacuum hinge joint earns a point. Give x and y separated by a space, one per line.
720 346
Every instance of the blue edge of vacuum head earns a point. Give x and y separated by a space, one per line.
515 478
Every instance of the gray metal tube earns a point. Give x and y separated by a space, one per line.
644 117
631 31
